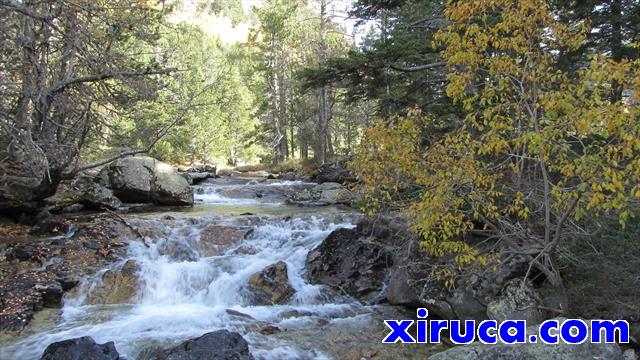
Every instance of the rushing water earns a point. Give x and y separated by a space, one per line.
180 299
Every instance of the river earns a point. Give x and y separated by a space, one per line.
183 297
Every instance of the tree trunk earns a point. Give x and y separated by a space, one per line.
616 45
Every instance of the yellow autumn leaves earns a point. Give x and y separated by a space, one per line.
538 146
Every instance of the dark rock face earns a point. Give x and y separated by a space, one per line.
26 252
271 285
195 178
348 261
50 225
144 179
84 348
336 172
217 345
51 294
83 192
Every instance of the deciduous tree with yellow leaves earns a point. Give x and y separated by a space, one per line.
538 149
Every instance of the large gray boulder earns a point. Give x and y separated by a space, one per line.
532 351
83 348
217 345
144 179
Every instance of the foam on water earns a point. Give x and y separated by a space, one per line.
184 299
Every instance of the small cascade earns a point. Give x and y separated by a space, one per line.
185 290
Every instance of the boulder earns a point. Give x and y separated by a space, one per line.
48 224
399 289
293 175
195 178
177 250
517 301
84 190
533 351
117 286
271 285
83 348
51 294
203 168
144 179
335 172
215 240
217 345
329 193
349 262
25 252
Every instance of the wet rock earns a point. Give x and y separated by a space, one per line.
215 240
177 251
534 351
351 263
293 314
23 252
84 348
51 294
518 301
144 179
270 330
56 225
245 250
117 286
271 285
239 314
217 345
68 282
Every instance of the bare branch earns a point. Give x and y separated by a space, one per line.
104 76
16 6
419 67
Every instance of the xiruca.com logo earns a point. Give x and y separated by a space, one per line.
554 331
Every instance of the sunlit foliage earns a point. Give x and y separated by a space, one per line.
538 149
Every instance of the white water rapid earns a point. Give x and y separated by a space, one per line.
180 299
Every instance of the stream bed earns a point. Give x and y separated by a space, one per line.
185 291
